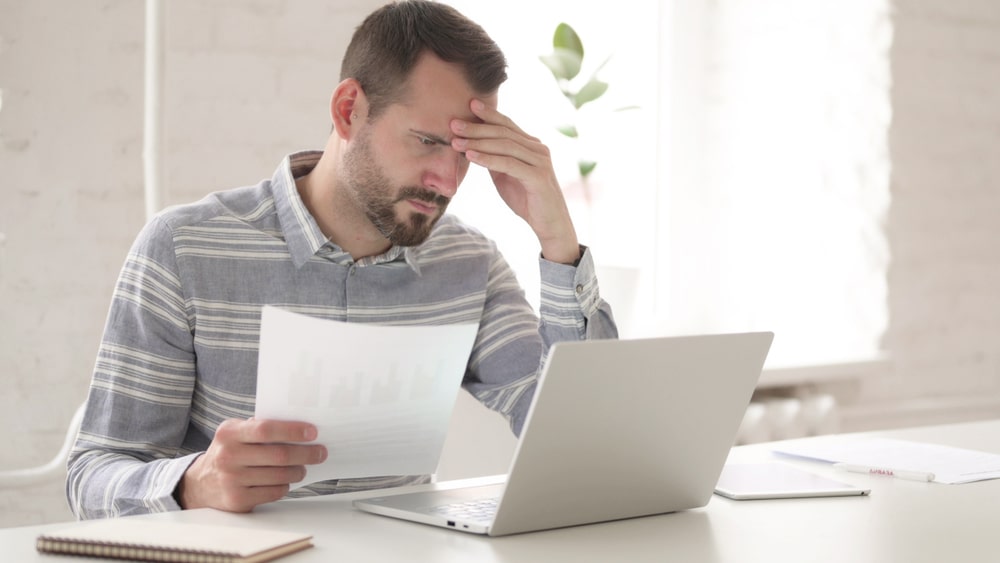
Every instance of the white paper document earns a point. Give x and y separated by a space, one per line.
947 464
381 396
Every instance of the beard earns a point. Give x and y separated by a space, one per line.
377 199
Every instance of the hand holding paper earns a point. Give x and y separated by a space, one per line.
380 396
249 462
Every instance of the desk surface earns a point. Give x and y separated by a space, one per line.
901 521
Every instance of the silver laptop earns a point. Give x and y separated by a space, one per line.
617 429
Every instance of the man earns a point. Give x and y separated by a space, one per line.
357 233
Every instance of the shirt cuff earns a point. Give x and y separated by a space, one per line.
565 285
169 478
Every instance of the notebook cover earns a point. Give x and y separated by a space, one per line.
152 540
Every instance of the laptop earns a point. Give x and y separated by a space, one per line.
616 429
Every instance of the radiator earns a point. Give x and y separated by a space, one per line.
782 418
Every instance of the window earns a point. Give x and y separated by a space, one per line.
747 192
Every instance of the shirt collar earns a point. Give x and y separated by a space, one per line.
302 233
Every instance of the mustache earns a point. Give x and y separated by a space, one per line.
420 194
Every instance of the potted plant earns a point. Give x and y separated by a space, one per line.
619 283
566 63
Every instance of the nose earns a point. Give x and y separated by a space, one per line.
446 172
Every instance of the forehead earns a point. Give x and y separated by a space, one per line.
437 90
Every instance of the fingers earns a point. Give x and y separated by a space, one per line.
495 126
263 431
499 144
491 116
280 455
270 476
502 155
264 443
250 462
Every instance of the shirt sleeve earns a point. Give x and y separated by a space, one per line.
571 307
513 342
128 458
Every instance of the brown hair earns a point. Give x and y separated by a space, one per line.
388 43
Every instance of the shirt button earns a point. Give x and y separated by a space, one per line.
579 288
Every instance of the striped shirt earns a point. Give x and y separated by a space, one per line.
179 352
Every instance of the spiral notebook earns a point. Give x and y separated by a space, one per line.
155 540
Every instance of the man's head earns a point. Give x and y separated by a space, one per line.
412 68
387 45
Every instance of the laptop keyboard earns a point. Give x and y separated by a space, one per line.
479 510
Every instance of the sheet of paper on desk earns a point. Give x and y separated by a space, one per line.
949 465
381 396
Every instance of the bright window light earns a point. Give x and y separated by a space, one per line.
748 190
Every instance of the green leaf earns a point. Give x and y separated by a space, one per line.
569 130
563 63
590 92
586 167
565 37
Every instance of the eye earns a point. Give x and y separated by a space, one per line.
427 141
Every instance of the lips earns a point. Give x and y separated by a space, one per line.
422 200
422 206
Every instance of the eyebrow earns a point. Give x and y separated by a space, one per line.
436 138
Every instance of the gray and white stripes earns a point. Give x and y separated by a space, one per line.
179 354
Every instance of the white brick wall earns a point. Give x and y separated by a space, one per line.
70 155
246 82
249 81
944 220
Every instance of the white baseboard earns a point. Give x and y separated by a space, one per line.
918 412
791 376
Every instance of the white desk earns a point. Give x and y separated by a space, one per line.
902 520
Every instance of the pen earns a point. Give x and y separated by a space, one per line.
900 473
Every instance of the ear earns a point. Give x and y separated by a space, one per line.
348 108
